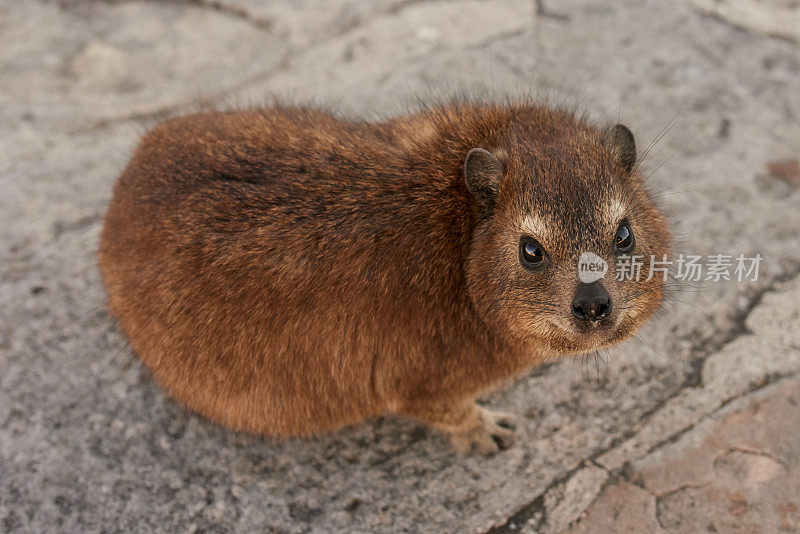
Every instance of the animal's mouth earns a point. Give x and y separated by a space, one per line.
573 336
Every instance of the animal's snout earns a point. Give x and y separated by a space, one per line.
591 302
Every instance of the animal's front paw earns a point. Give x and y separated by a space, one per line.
494 431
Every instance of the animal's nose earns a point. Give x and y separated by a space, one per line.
591 302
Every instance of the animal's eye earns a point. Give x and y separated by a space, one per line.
531 253
624 241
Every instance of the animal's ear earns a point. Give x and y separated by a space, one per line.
618 140
482 173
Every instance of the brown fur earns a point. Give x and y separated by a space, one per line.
285 272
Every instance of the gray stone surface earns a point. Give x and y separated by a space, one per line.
89 443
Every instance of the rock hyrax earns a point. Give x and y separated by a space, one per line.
286 272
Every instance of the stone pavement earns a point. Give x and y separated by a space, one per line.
693 426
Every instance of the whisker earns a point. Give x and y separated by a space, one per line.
664 131
663 162
649 346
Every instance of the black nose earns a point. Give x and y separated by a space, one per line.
592 302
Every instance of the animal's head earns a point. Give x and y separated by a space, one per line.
563 213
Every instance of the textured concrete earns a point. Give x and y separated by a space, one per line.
691 426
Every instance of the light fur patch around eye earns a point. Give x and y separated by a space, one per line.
535 226
615 211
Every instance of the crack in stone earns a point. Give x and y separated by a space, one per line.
534 514
237 12
767 380
216 5
754 452
721 338
741 26
400 6
543 11
612 478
